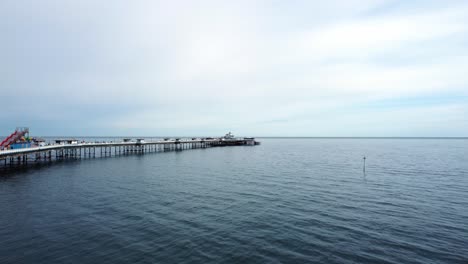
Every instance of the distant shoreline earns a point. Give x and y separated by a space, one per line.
369 137
266 137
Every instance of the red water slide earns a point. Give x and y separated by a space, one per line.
13 137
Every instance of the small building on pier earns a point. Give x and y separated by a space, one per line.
249 141
20 145
66 141
40 142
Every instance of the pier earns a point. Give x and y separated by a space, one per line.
88 150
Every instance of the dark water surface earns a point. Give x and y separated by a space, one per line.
286 201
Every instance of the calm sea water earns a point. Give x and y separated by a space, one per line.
286 201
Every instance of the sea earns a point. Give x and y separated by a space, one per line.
288 200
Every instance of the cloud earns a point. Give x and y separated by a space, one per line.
203 67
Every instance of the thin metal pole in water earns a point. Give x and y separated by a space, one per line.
364 166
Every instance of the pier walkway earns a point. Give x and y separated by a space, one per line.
95 150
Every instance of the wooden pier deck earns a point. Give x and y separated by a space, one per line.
49 153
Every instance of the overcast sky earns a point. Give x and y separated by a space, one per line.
256 68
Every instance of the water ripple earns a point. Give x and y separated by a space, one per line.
286 201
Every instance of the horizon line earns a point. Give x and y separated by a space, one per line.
291 137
